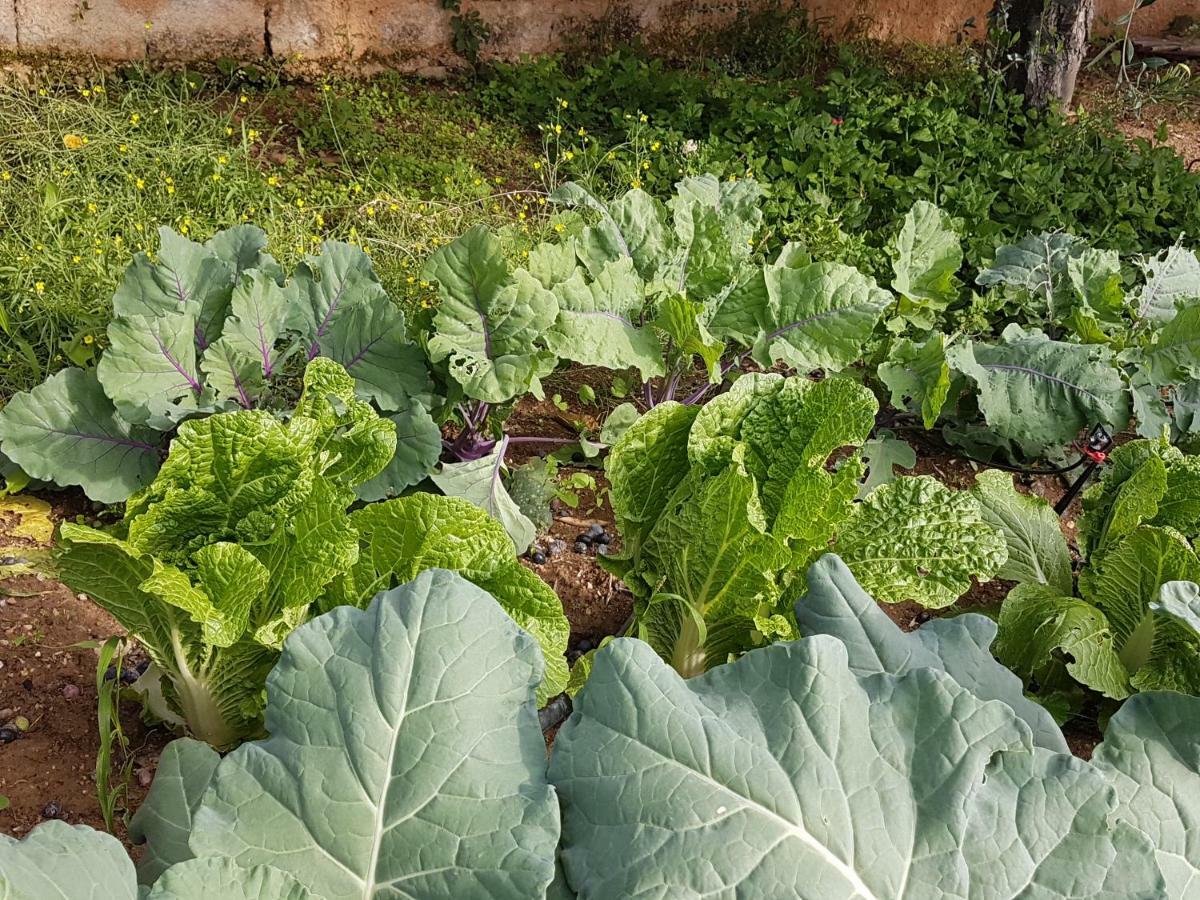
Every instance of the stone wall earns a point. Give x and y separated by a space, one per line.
415 34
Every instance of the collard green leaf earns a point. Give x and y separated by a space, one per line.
927 257
757 779
1171 277
1037 266
490 322
918 377
220 879
1037 550
1042 393
882 454
916 539
480 481
66 430
69 861
1181 601
444 755
596 323
1041 629
1175 356
235 377
259 310
418 449
164 820
1149 752
244 247
150 368
817 317
836 605
682 321
632 226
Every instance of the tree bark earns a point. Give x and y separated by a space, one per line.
1051 41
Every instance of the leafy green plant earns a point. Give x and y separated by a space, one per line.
207 328
1128 622
813 773
722 508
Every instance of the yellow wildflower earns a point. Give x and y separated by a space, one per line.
562 103
72 141
140 184
134 119
272 181
88 339
656 146
40 287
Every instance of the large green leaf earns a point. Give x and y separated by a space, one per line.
597 321
1175 356
836 605
632 226
164 820
785 775
150 368
259 311
1171 277
66 430
1181 601
927 257
918 377
418 449
916 539
1042 393
489 322
817 317
1160 652
1128 494
1041 628
71 862
1037 266
221 879
480 481
717 428
405 756
1037 550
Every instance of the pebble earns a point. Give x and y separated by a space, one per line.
595 531
144 777
604 539
538 557
52 810
70 691
584 646
581 547
556 547
8 734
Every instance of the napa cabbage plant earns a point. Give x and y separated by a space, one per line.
405 757
1128 622
206 328
1077 349
246 526
722 508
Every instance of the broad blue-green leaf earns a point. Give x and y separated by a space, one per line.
1037 550
817 317
1038 623
164 820
490 322
73 862
418 448
1175 355
1096 277
150 368
1172 276
785 775
1149 408
916 539
1038 267
1042 393
1181 601
617 422
882 454
836 605
67 431
597 325
480 481
244 248
918 377
235 377
214 878
1150 755
632 226
405 755
926 259
259 312
184 278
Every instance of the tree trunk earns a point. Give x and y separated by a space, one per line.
1051 41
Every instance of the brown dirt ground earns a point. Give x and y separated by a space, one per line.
1178 112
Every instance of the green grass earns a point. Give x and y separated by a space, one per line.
91 167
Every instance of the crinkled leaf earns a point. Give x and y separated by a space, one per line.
916 539
429 741
1041 629
480 481
918 377
69 861
1037 550
927 257
1129 491
1042 393
718 425
489 322
164 820
836 605
66 430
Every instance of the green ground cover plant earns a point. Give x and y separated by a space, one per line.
796 770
